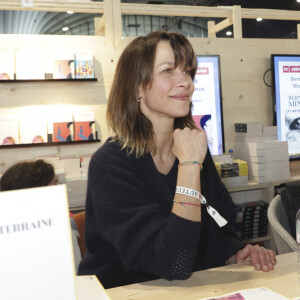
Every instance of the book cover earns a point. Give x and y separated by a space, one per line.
9 129
63 128
7 66
84 124
33 128
29 65
63 65
84 64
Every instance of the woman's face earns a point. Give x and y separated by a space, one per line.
171 90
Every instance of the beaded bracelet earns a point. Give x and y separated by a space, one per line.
180 202
190 163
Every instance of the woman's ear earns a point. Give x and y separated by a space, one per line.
140 92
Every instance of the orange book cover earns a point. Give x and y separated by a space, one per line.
84 130
62 131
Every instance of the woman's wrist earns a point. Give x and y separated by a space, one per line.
190 163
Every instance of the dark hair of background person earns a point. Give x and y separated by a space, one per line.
24 175
135 69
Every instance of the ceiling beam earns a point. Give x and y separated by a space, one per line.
271 14
86 6
175 10
82 6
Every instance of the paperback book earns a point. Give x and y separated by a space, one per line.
9 129
63 66
29 65
84 126
63 130
84 64
33 129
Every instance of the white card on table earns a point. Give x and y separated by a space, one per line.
36 253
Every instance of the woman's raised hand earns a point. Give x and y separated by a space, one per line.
190 144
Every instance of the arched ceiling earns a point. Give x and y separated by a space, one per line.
33 22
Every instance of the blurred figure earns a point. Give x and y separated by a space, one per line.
28 174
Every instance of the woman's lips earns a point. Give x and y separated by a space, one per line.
181 97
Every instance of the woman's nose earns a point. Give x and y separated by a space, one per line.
183 79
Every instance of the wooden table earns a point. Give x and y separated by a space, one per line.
216 282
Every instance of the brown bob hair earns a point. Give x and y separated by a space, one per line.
135 69
27 174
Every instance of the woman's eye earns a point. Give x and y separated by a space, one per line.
168 70
187 72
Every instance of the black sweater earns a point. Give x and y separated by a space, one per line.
131 234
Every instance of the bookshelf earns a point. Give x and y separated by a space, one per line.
48 144
47 80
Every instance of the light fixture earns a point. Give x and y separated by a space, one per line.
228 33
65 28
260 19
70 12
298 1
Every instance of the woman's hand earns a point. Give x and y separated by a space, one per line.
261 258
190 144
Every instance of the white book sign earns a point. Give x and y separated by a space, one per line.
36 254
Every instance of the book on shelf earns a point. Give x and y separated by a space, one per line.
33 129
84 126
9 129
237 168
29 65
63 127
84 64
7 66
63 65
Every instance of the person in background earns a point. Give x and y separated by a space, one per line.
146 216
28 174
37 173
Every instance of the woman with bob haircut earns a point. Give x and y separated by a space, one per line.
156 207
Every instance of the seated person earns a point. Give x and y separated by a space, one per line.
28 174
38 173
145 215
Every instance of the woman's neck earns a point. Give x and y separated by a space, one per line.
164 157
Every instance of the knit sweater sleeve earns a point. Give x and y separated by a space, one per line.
130 218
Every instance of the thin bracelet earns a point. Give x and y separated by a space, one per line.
190 163
180 202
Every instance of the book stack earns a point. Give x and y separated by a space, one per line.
252 220
268 159
233 172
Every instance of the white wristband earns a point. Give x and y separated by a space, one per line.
212 212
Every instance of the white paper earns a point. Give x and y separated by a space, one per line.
252 294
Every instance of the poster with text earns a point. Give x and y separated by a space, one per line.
207 108
287 93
